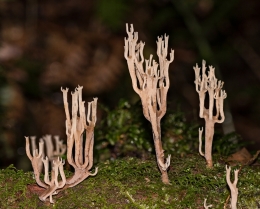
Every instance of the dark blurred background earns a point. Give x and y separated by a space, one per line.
48 44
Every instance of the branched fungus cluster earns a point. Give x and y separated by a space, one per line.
79 155
150 80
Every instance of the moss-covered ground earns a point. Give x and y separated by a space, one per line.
135 183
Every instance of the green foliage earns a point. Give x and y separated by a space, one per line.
178 136
228 144
124 131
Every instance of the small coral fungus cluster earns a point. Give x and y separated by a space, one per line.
77 126
150 80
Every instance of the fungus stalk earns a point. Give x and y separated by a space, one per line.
76 125
36 159
59 150
233 187
53 184
151 84
205 204
209 84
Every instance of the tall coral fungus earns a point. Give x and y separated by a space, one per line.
151 84
208 83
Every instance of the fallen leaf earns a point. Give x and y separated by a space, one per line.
35 189
240 157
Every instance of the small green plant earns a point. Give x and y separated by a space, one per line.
179 135
228 144
123 132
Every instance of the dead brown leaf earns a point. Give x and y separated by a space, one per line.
242 157
35 189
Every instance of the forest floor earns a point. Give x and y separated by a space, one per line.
135 183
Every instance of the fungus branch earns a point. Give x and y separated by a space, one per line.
232 186
205 204
53 184
54 152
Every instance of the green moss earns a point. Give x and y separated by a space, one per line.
13 189
135 183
